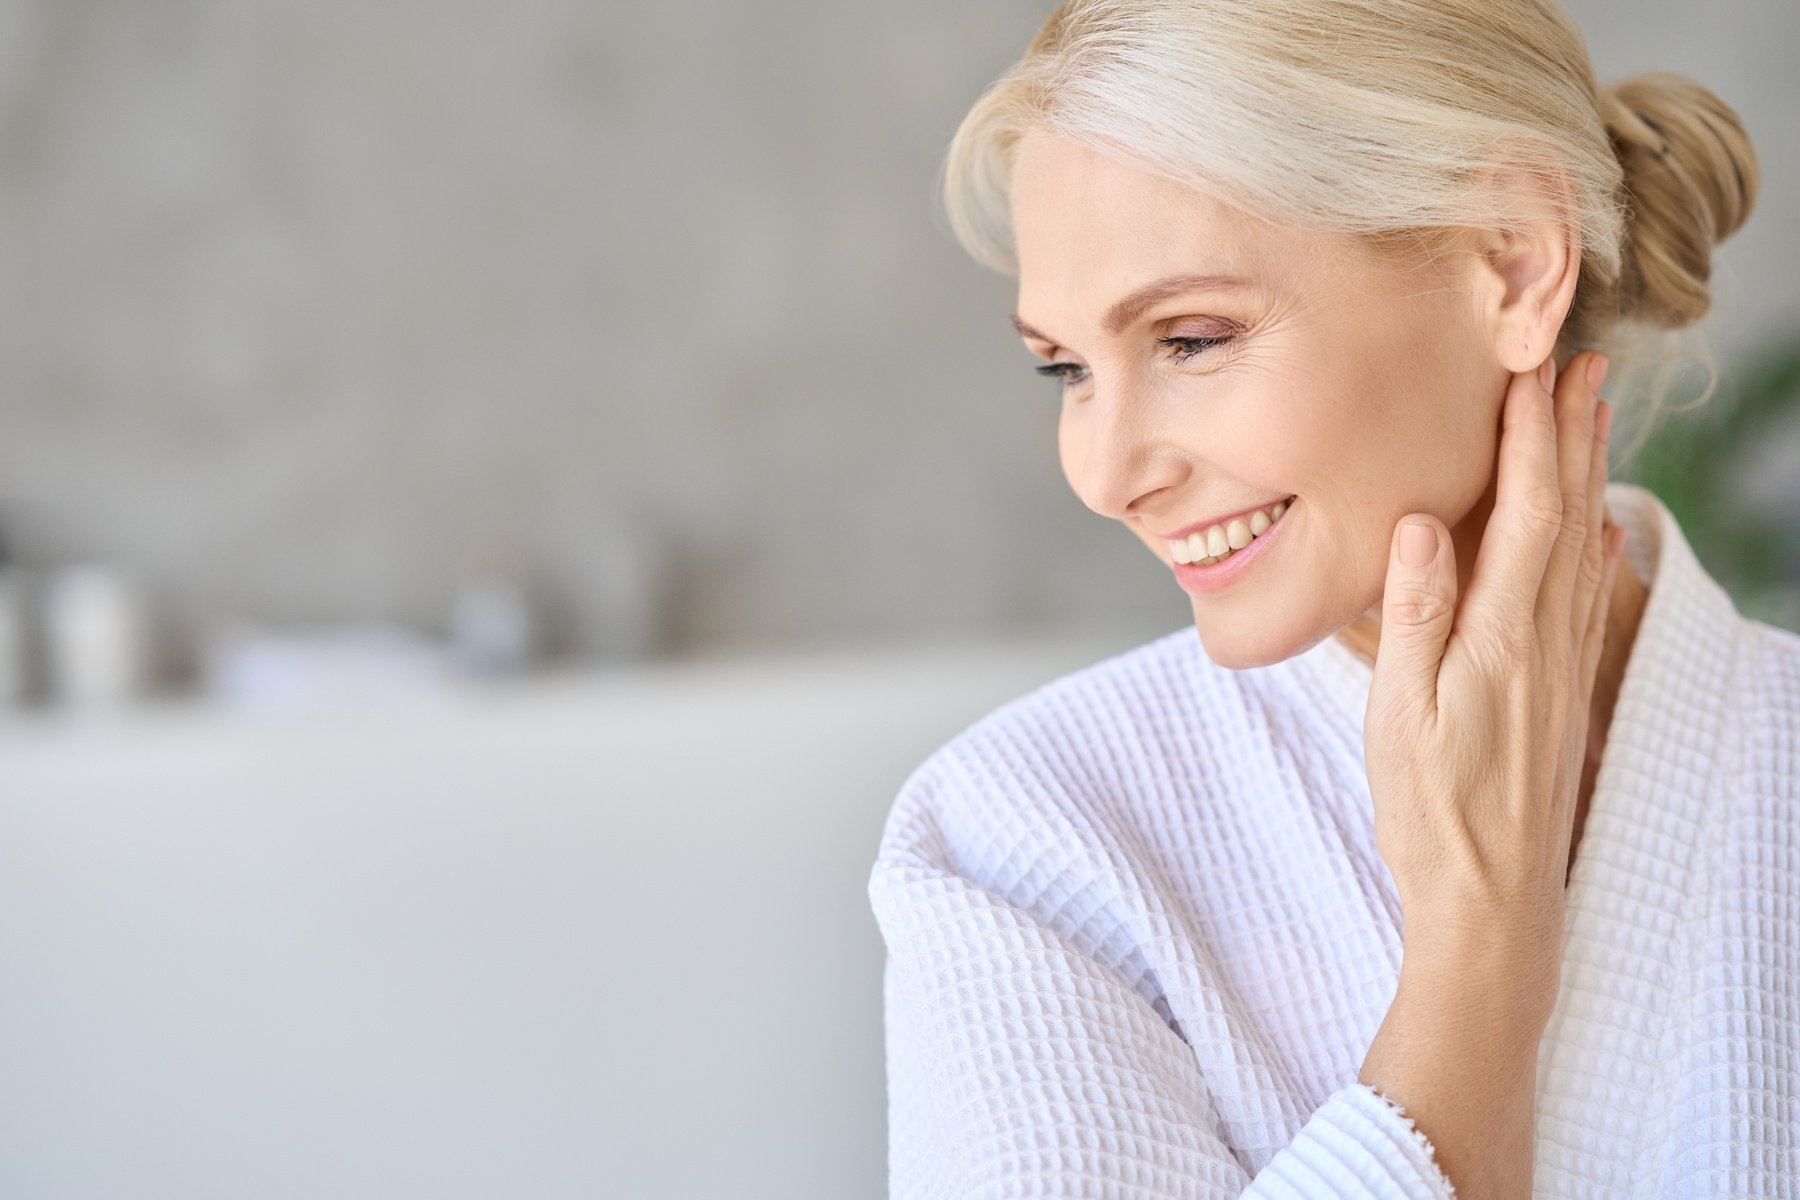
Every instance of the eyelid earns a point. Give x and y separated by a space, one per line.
1196 348
1048 355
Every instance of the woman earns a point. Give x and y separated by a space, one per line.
1460 849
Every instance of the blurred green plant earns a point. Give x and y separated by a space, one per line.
1695 462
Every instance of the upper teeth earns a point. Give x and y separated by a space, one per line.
1216 541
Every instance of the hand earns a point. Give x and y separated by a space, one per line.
1476 726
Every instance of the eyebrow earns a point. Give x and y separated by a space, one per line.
1120 316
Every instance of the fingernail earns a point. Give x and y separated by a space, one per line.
1596 372
1418 544
1547 373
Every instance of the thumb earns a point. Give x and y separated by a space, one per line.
1416 612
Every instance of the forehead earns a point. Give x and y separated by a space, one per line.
1089 226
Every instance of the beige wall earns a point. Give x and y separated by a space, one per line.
312 308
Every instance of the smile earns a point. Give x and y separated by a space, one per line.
1213 572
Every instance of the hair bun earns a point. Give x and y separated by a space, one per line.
1690 181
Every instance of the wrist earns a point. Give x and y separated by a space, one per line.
1507 986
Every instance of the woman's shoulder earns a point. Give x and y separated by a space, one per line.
1067 758
1030 803
1095 756
1775 655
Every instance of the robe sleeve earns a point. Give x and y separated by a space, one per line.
1020 1065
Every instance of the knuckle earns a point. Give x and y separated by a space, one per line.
1575 513
1541 507
1592 571
1415 606
1512 645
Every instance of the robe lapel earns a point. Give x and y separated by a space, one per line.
1603 1090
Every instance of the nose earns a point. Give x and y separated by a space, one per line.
1117 457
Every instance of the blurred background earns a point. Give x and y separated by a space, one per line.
494 499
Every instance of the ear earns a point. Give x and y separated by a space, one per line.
1524 279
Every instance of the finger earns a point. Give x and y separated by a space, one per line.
1416 610
1595 639
1509 567
1593 552
1574 470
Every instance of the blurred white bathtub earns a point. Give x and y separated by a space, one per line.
595 935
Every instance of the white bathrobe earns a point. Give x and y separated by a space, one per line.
1140 937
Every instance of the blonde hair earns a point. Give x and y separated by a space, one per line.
1374 118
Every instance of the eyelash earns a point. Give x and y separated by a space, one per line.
1066 371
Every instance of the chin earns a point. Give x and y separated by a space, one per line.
1237 654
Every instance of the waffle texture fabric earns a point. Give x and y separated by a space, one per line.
1140 938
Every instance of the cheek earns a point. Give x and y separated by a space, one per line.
1408 432
1409 452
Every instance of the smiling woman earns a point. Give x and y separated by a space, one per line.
1288 907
